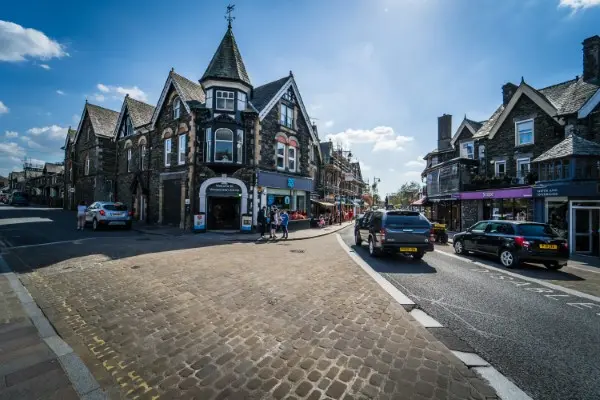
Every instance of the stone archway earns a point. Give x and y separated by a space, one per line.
241 184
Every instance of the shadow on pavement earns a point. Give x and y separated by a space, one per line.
394 263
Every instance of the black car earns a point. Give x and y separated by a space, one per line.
514 242
18 199
394 231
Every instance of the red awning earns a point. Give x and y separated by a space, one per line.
419 202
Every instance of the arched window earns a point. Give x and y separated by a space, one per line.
223 145
176 108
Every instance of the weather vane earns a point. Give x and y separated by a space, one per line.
228 17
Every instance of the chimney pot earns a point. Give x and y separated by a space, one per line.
444 131
508 90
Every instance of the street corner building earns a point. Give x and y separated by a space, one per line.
208 156
537 158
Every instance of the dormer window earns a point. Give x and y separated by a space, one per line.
176 108
467 150
524 132
287 116
225 100
434 161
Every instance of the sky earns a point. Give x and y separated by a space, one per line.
374 74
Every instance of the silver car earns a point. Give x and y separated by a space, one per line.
104 214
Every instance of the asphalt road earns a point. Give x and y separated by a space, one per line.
546 341
22 226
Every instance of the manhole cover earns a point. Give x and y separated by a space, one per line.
297 251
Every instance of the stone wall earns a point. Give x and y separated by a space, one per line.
469 213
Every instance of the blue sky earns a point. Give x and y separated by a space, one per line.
374 74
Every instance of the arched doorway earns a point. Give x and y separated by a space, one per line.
223 201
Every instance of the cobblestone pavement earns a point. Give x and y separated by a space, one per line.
247 321
576 275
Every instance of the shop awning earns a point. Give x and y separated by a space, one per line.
419 202
323 203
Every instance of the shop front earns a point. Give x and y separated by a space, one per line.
446 209
223 205
286 192
514 204
573 210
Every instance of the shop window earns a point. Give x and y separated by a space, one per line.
225 100
524 132
223 145
280 155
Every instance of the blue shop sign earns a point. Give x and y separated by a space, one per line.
278 180
573 189
291 183
270 199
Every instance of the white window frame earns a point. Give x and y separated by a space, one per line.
496 169
292 159
278 156
181 149
176 108
523 161
208 135
232 141
167 152
240 146
129 160
143 157
128 127
286 119
464 146
518 132
209 98
87 166
228 99
242 101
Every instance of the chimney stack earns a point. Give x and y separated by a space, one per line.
444 131
508 90
591 59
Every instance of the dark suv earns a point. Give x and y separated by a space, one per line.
514 242
394 231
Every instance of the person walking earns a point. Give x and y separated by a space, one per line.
262 221
273 216
285 218
81 209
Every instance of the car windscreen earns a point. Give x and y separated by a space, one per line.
404 218
536 230
115 207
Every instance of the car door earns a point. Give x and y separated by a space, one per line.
364 226
89 213
473 235
492 238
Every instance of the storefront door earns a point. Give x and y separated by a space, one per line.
224 213
586 230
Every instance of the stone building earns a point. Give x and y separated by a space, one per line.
90 158
68 181
493 169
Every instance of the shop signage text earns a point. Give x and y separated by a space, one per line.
568 189
224 189
498 194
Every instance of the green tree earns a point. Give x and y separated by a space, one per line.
408 193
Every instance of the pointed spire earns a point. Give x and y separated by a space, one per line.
522 80
227 62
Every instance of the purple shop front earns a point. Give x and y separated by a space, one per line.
498 194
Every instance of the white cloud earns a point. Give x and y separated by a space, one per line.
329 124
60 92
11 134
99 97
20 43
383 137
45 66
364 167
103 88
52 132
392 170
577 4
32 144
3 108
12 150
412 175
418 163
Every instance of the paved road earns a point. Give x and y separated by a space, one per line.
545 340
22 226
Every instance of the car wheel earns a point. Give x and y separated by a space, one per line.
459 247
508 258
418 256
554 266
372 250
357 239
95 225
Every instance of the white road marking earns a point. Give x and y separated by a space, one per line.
24 220
424 319
558 288
392 290
584 269
72 241
470 359
505 389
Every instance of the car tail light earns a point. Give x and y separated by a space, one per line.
565 245
520 240
382 233
130 213
432 235
102 213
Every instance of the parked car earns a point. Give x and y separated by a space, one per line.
104 214
18 199
394 231
515 241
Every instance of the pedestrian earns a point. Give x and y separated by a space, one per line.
273 216
262 221
284 223
81 209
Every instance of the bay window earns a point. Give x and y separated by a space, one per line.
225 100
524 132
241 101
240 146
223 145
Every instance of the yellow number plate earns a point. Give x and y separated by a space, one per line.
548 246
408 249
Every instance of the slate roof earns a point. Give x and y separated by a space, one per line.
573 145
103 120
139 112
227 61
190 91
263 94
474 124
568 97
489 124
53 168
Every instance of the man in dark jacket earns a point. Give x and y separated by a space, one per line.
262 221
